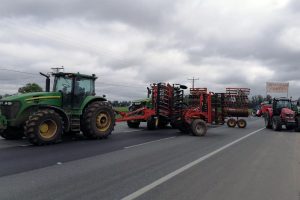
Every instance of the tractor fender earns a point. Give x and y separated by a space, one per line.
62 113
89 100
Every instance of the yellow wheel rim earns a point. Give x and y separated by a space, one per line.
242 124
231 123
156 122
48 129
103 121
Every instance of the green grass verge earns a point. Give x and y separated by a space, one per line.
121 109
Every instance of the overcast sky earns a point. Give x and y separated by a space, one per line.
129 44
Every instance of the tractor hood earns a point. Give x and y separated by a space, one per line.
33 96
287 111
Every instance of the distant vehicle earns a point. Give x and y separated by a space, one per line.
281 112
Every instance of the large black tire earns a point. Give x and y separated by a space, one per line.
231 123
98 120
290 127
297 127
198 127
44 127
267 119
184 129
12 133
242 123
133 124
276 123
162 123
151 123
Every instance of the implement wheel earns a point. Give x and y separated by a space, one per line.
231 123
152 123
242 123
198 127
98 120
133 124
12 133
44 127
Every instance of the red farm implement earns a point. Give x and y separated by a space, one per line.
205 107
236 105
165 103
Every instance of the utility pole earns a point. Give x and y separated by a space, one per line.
193 81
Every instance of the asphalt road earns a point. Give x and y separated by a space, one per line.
251 163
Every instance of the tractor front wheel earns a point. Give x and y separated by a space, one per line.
98 120
242 123
44 127
198 127
231 123
276 123
268 123
297 127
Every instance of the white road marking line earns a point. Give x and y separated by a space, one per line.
130 131
149 142
184 168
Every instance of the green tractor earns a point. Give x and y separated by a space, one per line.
135 105
43 117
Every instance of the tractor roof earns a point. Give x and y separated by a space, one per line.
282 99
59 74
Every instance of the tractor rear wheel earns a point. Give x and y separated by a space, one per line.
276 123
242 123
231 123
133 124
44 127
12 133
98 120
198 127
267 119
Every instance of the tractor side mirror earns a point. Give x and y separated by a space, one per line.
183 87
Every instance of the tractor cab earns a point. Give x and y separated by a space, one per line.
74 88
281 103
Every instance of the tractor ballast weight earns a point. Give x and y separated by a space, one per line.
44 116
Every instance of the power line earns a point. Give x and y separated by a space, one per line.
193 81
12 70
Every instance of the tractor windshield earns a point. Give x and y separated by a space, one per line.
63 84
284 104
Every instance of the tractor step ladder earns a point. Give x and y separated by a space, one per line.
75 123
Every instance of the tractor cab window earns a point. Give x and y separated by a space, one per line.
63 84
83 87
284 104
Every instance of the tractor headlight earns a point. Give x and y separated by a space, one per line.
10 109
6 103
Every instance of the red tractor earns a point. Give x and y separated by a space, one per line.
281 113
